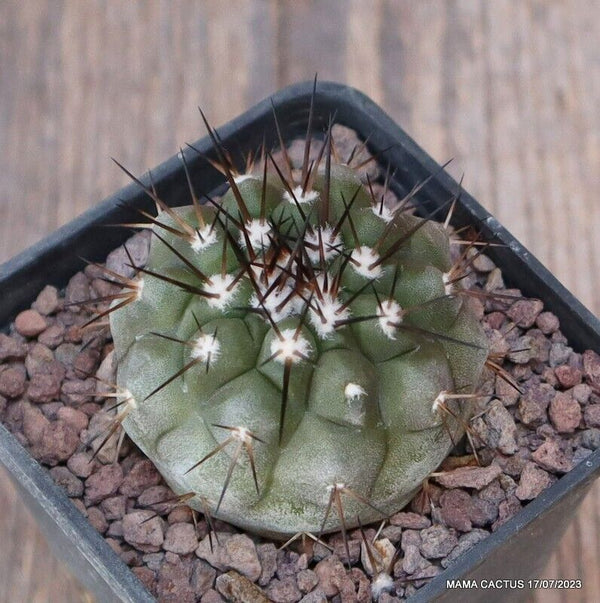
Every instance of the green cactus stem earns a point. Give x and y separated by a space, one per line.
299 355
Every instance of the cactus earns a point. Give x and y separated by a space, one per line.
298 357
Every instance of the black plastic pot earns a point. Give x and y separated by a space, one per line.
519 549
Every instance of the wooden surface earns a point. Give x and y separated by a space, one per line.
509 88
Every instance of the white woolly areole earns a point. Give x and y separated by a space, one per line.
382 583
206 347
385 212
277 304
390 316
331 243
256 231
126 398
362 258
354 392
242 177
203 238
290 346
139 288
449 287
331 311
241 434
300 196
220 287
439 401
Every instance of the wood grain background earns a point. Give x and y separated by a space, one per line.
509 88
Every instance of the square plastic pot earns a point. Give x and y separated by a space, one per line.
517 550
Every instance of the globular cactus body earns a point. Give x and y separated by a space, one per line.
295 356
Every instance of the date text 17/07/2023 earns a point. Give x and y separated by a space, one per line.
514 584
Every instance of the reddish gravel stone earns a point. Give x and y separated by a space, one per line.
591 368
76 392
142 475
34 423
97 519
51 409
58 442
153 560
539 346
559 354
75 418
103 483
553 456
11 349
114 508
73 334
80 464
582 393
498 429
72 485
591 415
284 591
507 509
411 521
30 323
66 352
212 596
41 360
455 506
138 247
173 583
46 302
590 438
154 497
513 464
115 545
568 376
495 320
180 514
12 381
534 402
339 549
95 435
144 531
78 289
411 547
146 576
181 538
469 477
306 580
90 409
482 512
86 363
267 555
331 574
203 576
437 541
235 587
547 323
234 551
44 388
524 312
533 481
564 412
506 392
